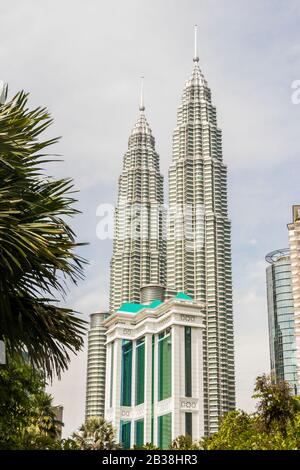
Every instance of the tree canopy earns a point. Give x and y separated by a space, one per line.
274 426
26 411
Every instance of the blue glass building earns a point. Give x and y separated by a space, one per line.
281 318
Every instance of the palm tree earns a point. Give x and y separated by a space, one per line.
96 434
37 246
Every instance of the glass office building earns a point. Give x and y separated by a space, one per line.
281 318
294 239
154 371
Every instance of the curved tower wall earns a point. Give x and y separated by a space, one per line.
281 318
96 363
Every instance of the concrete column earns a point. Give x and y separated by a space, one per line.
197 374
108 377
133 380
117 385
148 388
176 379
155 436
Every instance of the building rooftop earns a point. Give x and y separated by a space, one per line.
135 308
278 255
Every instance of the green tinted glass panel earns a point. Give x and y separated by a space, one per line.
126 374
188 360
164 431
125 434
189 424
139 432
140 371
164 366
111 374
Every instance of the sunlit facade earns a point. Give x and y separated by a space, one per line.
294 239
139 256
199 237
154 372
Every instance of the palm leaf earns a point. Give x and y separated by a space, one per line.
38 249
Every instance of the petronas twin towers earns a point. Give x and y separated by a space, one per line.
139 255
187 247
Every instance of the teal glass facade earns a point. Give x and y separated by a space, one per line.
281 318
164 424
140 371
164 365
111 374
139 432
125 434
126 375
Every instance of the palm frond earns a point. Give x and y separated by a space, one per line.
37 246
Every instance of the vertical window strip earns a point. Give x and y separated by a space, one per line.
164 431
139 432
140 372
188 360
111 374
126 375
165 365
125 434
189 424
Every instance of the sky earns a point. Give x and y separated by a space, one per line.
83 61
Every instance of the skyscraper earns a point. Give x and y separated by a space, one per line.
199 237
139 248
96 363
294 238
281 318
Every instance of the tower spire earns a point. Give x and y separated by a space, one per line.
196 58
142 105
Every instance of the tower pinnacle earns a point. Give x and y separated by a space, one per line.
142 105
196 58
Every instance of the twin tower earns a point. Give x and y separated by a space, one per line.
187 246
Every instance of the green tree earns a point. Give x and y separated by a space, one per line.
26 411
37 247
185 443
274 426
237 432
147 446
277 407
96 434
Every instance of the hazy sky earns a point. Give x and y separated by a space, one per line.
83 60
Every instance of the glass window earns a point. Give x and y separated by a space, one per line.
164 365
188 360
125 434
140 371
139 432
126 374
111 374
189 424
164 431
